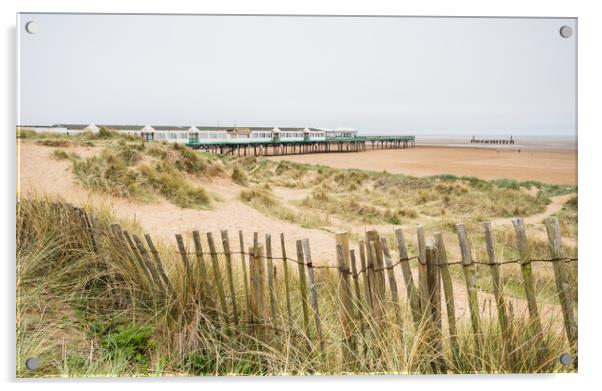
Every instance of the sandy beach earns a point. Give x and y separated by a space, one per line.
556 166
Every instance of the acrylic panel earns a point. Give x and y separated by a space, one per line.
295 195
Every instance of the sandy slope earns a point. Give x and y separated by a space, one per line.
38 172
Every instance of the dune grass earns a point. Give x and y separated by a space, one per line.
87 313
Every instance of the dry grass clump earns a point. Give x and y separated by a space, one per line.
118 173
239 176
262 198
109 173
165 179
84 316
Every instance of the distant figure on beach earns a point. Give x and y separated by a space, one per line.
519 151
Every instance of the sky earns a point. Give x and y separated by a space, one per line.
381 75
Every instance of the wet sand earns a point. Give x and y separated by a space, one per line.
556 166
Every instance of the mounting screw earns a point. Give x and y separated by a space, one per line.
566 359
566 31
32 363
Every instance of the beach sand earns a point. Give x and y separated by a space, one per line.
555 166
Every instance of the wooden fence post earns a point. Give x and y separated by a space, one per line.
270 263
146 259
226 246
206 288
217 276
243 263
392 284
303 287
527 272
422 271
359 303
374 290
344 291
182 249
356 283
499 297
286 281
365 267
448 289
378 262
157 258
257 271
412 294
138 258
434 307
562 282
471 285
313 290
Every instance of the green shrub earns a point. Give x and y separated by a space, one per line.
131 342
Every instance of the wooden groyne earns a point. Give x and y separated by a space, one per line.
276 148
475 140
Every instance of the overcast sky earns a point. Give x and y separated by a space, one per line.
380 75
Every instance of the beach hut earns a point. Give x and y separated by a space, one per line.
193 134
306 133
92 128
276 134
148 133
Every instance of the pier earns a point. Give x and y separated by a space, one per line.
278 147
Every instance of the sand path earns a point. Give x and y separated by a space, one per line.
39 172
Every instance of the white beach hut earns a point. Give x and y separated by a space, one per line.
193 134
276 134
148 133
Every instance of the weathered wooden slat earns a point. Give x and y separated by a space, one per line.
471 285
562 282
149 265
271 291
378 262
257 272
364 266
448 290
217 276
140 266
392 283
527 273
187 275
434 301
229 273
502 312
422 270
412 294
372 277
206 287
159 264
356 285
303 287
243 264
289 310
344 291
314 291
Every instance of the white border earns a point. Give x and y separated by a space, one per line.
590 64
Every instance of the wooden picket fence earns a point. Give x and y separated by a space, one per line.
367 282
